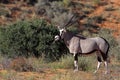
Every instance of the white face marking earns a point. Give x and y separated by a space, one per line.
61 31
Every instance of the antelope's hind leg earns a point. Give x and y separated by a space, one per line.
99 63
106 67
76 62
105 62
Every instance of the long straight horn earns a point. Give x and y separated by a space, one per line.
69 21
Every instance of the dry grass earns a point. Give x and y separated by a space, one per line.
81 75
13 75
66 62
62 70
70 75
20 64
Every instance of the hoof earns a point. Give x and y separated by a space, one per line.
106 72
76 70
95 72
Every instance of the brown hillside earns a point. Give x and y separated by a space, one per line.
109 9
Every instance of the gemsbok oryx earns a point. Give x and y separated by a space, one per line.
81 45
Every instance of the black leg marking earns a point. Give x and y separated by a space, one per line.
76 57
99 59
76 62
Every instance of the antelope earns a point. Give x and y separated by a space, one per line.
82 45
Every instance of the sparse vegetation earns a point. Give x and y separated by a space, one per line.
109 8
20 64
66 62
32 2
67 2
8 75
26 48
96 2
3 12
94 19
67 76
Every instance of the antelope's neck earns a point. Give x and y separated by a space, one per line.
67 38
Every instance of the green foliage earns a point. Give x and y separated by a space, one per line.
30 38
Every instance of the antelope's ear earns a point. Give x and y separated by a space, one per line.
58 27
64 29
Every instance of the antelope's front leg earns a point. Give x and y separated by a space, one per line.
76 62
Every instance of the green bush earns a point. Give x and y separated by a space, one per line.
28 38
